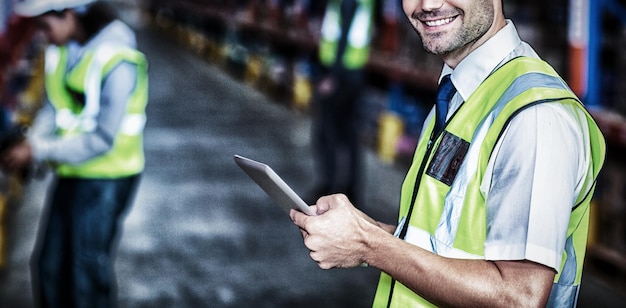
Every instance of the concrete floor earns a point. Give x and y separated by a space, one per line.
201 234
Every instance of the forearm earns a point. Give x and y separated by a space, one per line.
72 150
456 282
443 281
388 228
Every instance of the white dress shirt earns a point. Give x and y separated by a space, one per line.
537 168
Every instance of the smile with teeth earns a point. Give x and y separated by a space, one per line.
440 22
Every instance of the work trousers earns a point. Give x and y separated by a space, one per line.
72 265
336 139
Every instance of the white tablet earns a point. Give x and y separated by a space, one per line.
273 185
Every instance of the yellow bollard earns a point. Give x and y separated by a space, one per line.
390 129
302 91
254 70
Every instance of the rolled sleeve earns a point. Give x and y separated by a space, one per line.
535 179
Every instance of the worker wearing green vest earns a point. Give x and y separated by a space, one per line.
343 53
91 134
494 210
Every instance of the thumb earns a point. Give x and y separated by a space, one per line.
322 206
298 218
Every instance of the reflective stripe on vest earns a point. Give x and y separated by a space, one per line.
451 220
359 35
75 95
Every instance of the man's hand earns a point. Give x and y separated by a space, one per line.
337 237
343 236
326 86
17 157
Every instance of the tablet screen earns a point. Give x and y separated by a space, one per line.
273 185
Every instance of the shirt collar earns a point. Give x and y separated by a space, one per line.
477 66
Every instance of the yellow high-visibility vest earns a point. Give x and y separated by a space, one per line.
75 117
476 128
359 36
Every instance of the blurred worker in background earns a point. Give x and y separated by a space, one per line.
91 133
343 52
494 210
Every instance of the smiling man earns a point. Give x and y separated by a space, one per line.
494 210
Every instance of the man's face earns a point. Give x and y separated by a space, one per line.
57 28
450 26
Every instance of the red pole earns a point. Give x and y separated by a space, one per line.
578 38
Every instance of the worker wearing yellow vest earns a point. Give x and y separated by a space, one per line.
91 134
343 53
494 210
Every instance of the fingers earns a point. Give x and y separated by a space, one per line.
8 162
304 233
320 263
329 247
326 203
17 156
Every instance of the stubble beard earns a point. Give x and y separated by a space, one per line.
442 43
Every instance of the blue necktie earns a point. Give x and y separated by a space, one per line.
444 95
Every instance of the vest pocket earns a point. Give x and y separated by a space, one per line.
448 158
